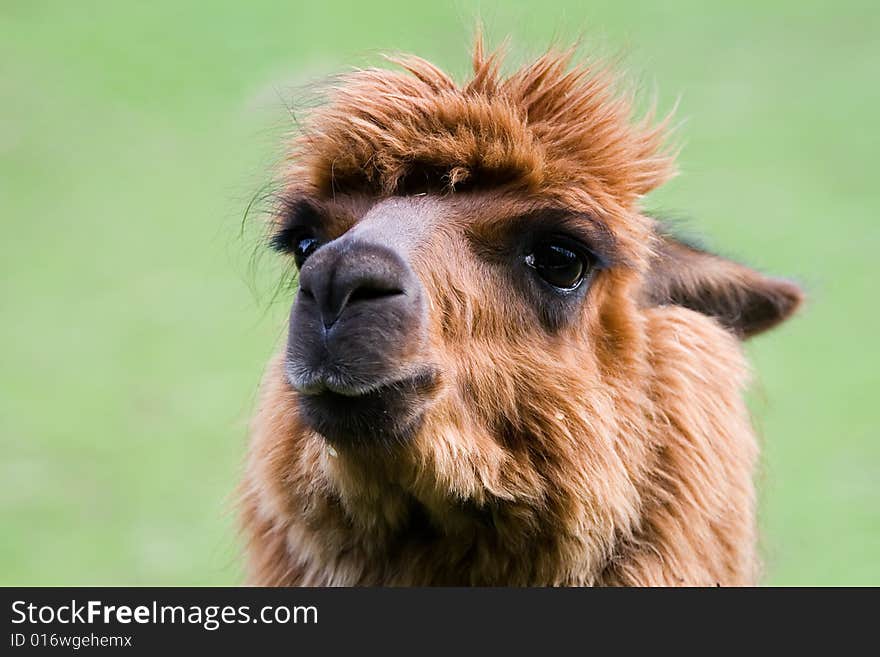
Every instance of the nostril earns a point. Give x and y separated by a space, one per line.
369 292
364 292
349 273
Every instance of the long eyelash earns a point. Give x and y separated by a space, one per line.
294 215
576 245
589 237
283 240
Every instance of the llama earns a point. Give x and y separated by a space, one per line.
500 370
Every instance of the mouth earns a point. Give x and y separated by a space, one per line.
389 413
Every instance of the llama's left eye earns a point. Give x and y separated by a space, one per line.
558 263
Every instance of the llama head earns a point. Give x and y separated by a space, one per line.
482 303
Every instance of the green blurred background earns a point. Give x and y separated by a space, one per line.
132 136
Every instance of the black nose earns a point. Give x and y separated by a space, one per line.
349 272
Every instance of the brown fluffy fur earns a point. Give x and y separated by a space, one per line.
617 450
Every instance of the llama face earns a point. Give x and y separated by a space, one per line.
487 322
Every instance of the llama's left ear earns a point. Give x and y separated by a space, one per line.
741 299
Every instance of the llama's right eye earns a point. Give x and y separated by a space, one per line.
303 249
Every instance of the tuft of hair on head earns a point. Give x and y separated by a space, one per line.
548 125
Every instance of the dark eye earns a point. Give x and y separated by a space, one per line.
559 263
303 248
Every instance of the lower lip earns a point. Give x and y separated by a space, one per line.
388 414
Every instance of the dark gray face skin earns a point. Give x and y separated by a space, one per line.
357 330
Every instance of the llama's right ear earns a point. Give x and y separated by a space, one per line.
743 300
